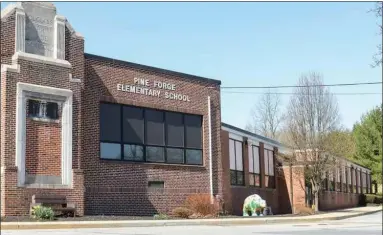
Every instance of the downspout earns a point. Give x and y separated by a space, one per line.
291 188
210 152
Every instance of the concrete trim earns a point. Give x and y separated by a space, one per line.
72 31
66 130
72 79
15 68
41 59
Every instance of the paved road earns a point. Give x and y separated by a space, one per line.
363 225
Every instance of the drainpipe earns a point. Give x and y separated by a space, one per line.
210 152
291 188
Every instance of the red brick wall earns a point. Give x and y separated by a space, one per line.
234 196
16 199
7 39
43 148
291 188
331 200
126 183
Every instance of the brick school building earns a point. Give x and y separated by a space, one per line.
115 137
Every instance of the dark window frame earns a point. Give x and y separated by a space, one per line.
253 174
268 176
165 146
237 172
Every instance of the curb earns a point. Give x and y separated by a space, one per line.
157 223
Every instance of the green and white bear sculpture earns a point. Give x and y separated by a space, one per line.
253 206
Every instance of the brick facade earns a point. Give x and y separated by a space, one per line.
129 183
17 199
43 151
234 195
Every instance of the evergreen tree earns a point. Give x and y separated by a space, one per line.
368 137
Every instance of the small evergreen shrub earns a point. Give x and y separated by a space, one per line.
374 199
43 213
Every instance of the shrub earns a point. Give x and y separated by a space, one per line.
161 216
201 204
362 200
182 212
374 199
303 210
43 213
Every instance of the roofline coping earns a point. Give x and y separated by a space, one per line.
248 133
154 69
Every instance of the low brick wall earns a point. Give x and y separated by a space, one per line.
330 200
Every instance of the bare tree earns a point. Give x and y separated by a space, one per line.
266 116
312 115
378 11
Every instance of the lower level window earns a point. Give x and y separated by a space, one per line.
269 181
133 152
332 186
254 180
236 177
110 151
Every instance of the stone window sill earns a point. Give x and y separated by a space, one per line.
47 186
41 119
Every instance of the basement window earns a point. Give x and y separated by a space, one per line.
43 109
156 184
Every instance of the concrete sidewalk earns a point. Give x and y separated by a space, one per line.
333 215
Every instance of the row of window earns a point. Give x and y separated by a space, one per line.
141 134
347 180
236 165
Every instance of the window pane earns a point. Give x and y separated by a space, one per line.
240 180
238 155
52 110
232 154
133 152
257 180
193 124
251 159
33 108
256 160
271 182
110 128
194 157
133 124
174 129
233 177
266 163
110 151
271 163
155 133
251 179
174 155
155 154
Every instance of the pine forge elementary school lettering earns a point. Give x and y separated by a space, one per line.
141 87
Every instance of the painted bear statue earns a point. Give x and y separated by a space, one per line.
253 206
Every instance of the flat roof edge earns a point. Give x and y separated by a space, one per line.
153 69
251 134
